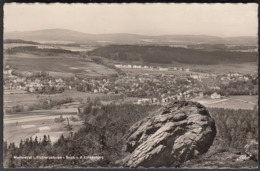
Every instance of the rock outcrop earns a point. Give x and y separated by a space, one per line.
172 135
251 149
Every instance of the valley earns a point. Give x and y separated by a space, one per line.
67 89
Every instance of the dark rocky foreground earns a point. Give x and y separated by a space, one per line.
170 136
219 157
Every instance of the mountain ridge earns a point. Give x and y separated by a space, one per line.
126 38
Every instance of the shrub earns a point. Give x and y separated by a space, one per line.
15 109
235 128
59 120
74 119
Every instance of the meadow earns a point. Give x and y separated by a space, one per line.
13 97
232 102
30 123
58 65
37 123
243 68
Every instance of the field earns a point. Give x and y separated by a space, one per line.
244 68
60 65
77 49
72 48
40 122
14 97
12 45
234 102
156 71
37 123
19 97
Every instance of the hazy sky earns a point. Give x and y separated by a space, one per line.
146 19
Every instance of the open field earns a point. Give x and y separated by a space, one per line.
155 71
19 97
244 68
38 123
74 94
78 94
14 97
234 102
59 65
76 49
12 45
72 48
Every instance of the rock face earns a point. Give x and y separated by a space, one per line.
174 134
251 150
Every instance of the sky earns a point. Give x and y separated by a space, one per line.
225 20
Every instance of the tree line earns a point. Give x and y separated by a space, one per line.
166 54
235 128
104 134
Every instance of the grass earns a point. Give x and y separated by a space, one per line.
72 48
234 102
13 98
155 71
245 68
250 99
22 98
41 118
84 95
60 65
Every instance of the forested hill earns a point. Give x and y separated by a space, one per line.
166 54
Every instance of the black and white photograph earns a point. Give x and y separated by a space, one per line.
130 85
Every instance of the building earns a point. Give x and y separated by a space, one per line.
163 69
143 101
137 66
119 66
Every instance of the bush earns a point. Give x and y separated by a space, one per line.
48 104
74 119
15 109
235 128
59 120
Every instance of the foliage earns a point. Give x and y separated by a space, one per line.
105 130
103 134
48 104
59 119
15 109
7 41
43 104
168 54
235 88
235 128
49 51
28 147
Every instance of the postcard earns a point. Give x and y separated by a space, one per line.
130 85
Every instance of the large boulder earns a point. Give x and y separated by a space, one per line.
170 136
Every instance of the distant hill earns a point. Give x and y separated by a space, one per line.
123 38
166 55
7 41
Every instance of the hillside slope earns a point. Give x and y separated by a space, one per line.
125 38
166 55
